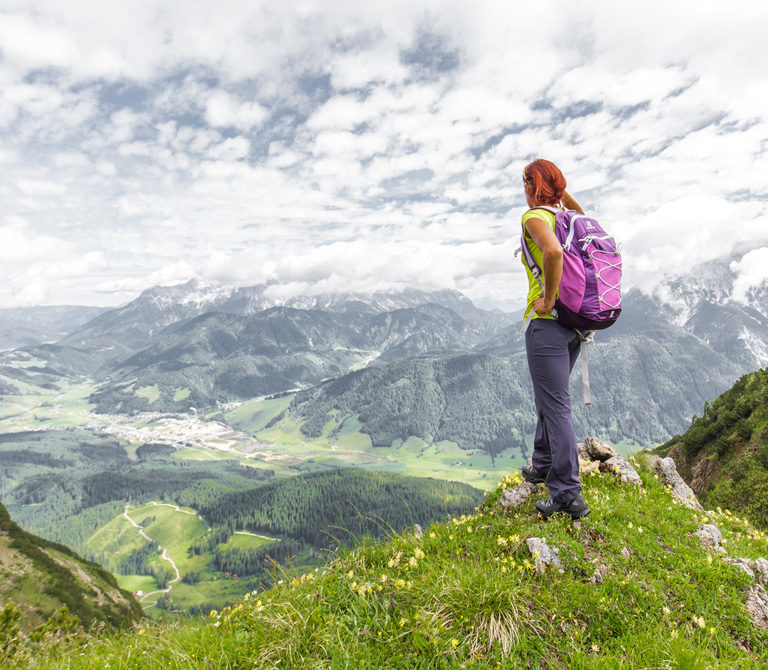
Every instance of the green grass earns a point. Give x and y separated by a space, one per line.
342 444
115 541
252 416
175 531
181 394
465 595
150 393
199 454
134 583
246 541
62 406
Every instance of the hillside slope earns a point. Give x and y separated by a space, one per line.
724 453
633 586
39 577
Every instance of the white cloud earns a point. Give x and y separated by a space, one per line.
751 270
352 144
222 110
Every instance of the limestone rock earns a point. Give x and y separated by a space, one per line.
543 555
665 467
588 467
709 536
623 468
742 563
760 566
757 605
518 495
597 450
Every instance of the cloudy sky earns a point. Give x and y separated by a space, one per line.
335 145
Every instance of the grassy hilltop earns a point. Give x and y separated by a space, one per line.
636 589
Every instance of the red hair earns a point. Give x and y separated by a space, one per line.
544 182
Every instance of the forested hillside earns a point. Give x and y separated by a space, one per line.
331 508
724 453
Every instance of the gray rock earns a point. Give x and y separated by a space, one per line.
623 469
518 495
742 563
597 450
665 467
543 555
757 605
583 455
588 467
709 536
760 566
626 553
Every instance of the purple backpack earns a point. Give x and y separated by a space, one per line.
589 296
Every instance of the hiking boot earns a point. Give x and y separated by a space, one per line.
576 508
532 475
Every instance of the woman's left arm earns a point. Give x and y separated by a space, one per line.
570 203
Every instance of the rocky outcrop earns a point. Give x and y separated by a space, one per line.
621 467
597 450
710 536
518 495
665 468
595 454
543 555
757 605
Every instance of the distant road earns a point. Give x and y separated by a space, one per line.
164 555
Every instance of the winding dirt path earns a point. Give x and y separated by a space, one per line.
164 555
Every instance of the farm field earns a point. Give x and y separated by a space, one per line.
348 446
172 531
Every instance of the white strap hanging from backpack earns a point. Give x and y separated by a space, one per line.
587 337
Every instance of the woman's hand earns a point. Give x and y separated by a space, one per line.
541 307
569 202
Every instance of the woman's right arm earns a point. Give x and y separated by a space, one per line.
570 203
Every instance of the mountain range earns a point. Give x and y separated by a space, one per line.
426 363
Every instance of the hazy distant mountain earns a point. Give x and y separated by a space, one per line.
26 326
222 357
649 376
45 365
704 303
131 327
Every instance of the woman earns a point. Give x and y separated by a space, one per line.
552 349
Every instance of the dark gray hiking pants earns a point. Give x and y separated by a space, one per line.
552 350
